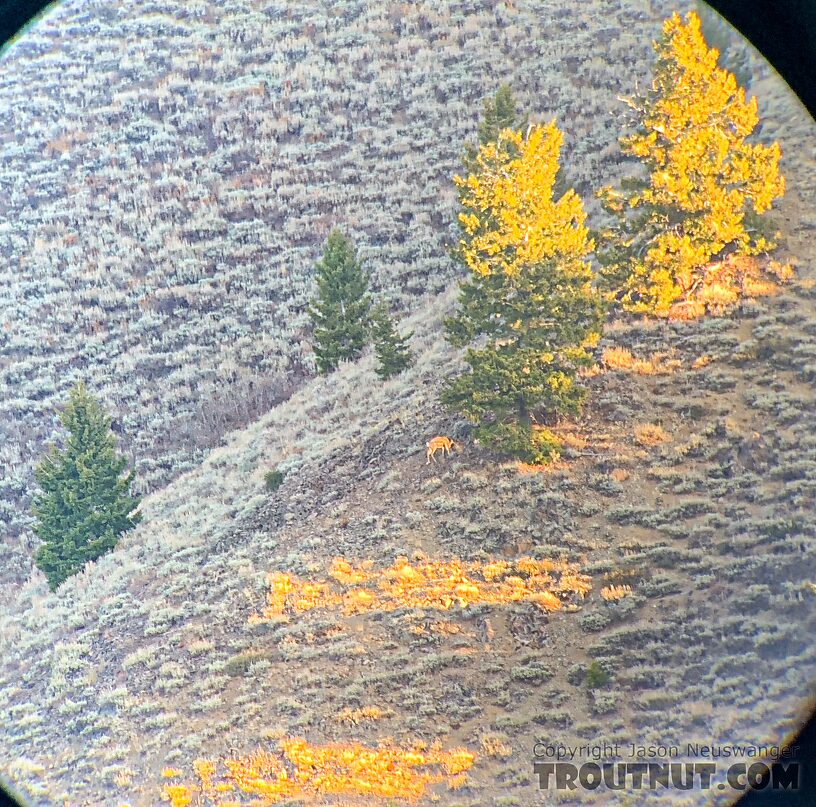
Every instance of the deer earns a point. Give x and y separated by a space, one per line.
445 443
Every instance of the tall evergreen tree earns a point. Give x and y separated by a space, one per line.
84 504
340 312
528 304
391 349
704 184
500 112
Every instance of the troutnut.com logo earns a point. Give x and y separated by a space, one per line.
695 766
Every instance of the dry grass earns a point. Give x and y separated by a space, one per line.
725 283
650 434
355 716
495 745
437 585
621 360
614 593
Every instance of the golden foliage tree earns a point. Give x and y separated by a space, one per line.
529 299
707 185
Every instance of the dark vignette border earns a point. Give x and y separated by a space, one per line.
784 31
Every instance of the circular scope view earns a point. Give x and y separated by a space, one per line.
403 403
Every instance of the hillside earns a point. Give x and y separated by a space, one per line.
162 207
690 477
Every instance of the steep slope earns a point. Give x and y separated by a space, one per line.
149 658
170 170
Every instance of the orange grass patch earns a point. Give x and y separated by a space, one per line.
650 434
301 770
613 593
438 585
622 360
528 468
355 716
721 284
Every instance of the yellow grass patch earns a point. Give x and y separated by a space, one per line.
355 716
571 439
300 770
650 434
424 584
493 745
621 360
720 285
613 593
441 628
177 795
589 372
529 468
687 310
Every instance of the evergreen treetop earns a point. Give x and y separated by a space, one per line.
500 112
392 351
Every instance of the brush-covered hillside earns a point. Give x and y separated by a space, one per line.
170 170
378 630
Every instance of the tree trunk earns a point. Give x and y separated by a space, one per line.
523 415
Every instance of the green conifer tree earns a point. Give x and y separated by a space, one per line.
391 349
500 112
84 504
529 304
340 312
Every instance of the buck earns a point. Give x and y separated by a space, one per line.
445 443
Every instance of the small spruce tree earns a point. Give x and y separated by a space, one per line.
528 304
340 311
704 186
391 349
500 112
84 504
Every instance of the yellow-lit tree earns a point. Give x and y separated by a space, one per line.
528 304
706 186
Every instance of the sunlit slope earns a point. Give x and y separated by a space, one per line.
170 170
